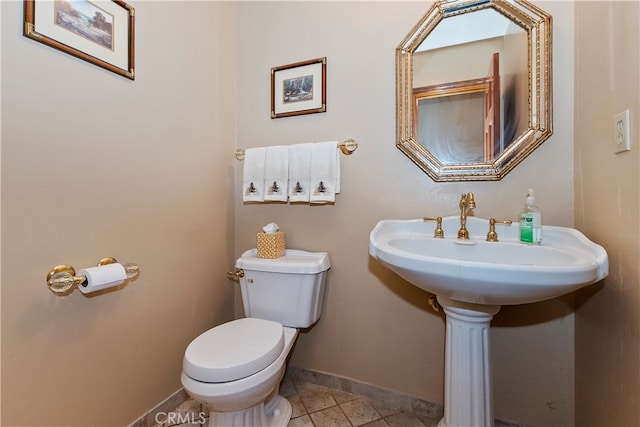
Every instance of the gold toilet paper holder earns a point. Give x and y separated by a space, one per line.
62 278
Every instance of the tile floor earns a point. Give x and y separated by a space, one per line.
317 406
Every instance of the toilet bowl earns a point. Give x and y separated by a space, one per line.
252 400
236 368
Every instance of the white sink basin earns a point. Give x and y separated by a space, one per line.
496 273
472 279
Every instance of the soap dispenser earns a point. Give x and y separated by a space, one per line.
530 221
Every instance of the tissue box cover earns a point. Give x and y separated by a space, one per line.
270 245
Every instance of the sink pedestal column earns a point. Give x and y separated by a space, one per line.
468 394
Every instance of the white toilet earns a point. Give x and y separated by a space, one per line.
236 368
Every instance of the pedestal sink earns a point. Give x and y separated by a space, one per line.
472 279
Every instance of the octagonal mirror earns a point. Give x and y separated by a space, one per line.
473 88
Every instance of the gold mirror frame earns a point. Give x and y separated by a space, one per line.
538 25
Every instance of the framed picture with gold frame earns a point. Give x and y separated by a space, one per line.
99 31
299 88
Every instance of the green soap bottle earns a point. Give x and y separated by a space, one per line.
530 222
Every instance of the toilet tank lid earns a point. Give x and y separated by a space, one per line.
294 261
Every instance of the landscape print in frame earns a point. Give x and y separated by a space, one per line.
98 31
299 88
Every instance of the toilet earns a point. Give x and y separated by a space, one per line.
236 368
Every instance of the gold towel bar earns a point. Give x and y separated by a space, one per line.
347 147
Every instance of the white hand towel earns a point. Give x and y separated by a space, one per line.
253 174
325 172
299 172
276 173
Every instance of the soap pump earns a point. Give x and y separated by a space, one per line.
530 221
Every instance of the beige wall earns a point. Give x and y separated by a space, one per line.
607 205
375 327
96 165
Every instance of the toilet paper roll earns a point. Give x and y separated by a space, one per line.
102 277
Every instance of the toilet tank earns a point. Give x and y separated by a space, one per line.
288 290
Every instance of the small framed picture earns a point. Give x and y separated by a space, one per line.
299 88
98 31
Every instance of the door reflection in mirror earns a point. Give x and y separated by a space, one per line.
460 122
452 126
456 136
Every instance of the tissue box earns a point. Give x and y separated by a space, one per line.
270 245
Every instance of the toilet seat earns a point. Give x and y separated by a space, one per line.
233 350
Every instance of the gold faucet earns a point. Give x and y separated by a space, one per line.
466 202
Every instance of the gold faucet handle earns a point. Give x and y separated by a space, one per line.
492 236
439 232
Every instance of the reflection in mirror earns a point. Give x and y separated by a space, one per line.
451 127
460 121
474 88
